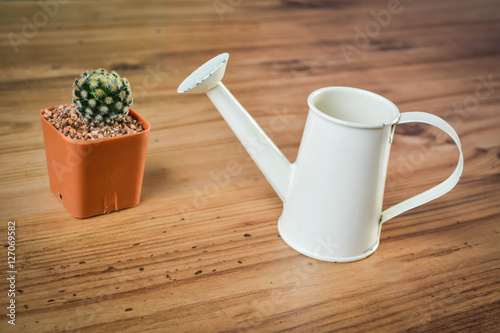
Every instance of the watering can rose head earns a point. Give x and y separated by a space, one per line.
102 98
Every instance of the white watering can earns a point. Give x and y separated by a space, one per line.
332 195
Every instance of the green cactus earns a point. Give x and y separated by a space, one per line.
102 98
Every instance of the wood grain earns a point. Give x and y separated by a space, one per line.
202 253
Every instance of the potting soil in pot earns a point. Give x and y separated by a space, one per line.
68 121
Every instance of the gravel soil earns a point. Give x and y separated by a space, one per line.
68 121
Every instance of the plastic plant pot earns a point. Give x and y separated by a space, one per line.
95 177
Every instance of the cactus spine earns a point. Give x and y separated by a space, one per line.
102 98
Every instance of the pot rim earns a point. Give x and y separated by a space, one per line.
145 124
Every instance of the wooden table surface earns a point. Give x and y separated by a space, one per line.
202 252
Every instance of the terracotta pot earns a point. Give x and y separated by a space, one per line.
95 177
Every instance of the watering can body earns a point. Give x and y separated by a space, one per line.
334 204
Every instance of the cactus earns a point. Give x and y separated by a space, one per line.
102 98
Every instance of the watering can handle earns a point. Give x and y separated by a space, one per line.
436 191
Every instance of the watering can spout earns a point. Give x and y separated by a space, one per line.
271 161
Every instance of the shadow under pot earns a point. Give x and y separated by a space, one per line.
95 177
